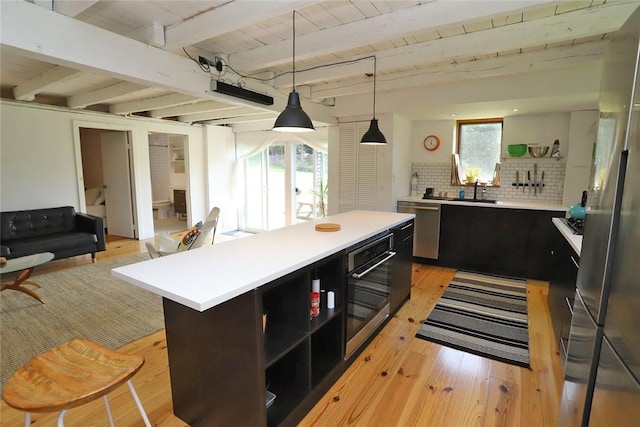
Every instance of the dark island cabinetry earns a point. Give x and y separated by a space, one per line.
512 242
237 367
244 346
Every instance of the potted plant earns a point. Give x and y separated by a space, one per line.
321 193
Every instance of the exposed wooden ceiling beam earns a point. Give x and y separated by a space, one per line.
528 34
68 42
216 115
551 84
198 107
226 18
170 100
152 34
243 119
72 7
534 61
102 95
28 90
430 15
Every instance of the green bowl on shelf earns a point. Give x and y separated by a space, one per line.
517 150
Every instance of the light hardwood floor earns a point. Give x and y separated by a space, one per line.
398 380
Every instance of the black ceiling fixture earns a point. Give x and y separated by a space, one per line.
373 136
240 92
293 118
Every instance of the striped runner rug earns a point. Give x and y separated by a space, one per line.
484 315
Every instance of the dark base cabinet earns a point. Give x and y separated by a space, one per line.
216 379
221 363
503 241
401 269
562 289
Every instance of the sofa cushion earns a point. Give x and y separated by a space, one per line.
52 243
19 225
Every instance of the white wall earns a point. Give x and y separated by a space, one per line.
582 137
40 165
573 130
443 129
536 129
220 149
401 162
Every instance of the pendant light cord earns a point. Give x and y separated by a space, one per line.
294 50
374 84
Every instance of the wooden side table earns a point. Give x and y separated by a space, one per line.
25 265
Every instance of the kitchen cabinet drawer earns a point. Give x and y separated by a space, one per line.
180 201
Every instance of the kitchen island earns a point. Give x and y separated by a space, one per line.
224 362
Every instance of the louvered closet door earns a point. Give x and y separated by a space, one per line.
358 169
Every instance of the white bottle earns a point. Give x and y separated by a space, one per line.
414 184
331 300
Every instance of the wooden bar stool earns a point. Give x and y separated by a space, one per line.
71 375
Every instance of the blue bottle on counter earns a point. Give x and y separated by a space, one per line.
461 193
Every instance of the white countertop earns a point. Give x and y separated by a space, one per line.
574 240
516 204
205 277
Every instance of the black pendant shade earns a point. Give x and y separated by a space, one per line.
293 118
373 136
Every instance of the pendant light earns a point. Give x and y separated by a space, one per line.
293 118
373 136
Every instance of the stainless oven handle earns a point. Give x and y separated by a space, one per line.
364 273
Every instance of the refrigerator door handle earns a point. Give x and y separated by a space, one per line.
574 261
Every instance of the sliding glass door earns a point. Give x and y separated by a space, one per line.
284 184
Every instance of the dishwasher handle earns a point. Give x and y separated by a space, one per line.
413 209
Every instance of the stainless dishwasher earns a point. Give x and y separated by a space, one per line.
426 235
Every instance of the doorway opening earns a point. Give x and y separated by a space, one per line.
107 176
168 167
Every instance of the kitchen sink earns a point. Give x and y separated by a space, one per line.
438 198
476 200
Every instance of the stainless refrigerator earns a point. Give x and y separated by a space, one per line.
602 369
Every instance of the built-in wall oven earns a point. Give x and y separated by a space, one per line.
368 288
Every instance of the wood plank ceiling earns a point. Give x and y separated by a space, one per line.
134 57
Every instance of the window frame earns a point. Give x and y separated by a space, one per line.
460 123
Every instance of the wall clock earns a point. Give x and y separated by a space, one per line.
431 143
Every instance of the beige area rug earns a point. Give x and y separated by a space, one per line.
80 302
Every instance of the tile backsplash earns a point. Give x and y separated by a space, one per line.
438 176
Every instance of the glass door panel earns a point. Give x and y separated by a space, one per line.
276 187
283 186
305 203
255 193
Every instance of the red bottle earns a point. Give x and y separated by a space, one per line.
315 295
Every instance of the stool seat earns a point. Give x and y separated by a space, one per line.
69 375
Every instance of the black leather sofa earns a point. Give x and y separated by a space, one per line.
60 230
